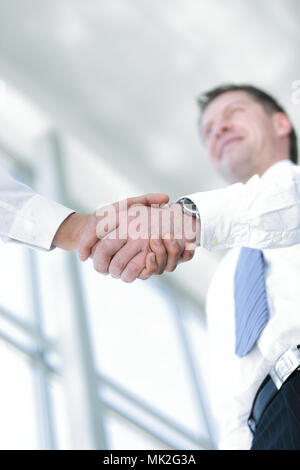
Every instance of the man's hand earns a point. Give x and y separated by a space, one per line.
89 237
123 252
172 252
78 231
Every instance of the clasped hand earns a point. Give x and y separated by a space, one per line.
139 237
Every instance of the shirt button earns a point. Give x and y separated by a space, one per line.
278 237
230 241
213 242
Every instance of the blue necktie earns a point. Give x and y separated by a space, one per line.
251 307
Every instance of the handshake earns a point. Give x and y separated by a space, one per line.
133 238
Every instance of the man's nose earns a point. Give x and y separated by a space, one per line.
221 128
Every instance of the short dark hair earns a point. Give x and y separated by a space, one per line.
268 102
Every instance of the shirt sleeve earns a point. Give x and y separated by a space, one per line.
27 217
262 213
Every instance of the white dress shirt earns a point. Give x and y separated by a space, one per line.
25 216
263 213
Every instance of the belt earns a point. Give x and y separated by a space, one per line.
283 368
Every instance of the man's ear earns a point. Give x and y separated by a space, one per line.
282 124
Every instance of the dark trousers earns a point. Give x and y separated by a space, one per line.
279 426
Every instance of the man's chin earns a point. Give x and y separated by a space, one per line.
231 172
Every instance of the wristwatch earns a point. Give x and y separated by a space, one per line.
189 207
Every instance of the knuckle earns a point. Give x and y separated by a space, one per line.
151 271
117 265
175 249
131 272
161 260
161 264
170 268
133 267
127 277
104 245
160 249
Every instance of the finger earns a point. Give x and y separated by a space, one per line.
145 199
93 249
134 267
151 267
148 199
174 250
187 255
121 259
108 217
161 255
104 252
87 240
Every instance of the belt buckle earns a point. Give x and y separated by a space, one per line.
285 365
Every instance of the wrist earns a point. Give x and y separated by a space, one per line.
190 209
191 229
69 232
186 224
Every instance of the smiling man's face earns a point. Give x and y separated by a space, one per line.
241 137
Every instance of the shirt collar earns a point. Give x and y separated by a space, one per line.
277 168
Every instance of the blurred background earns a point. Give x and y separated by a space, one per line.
97 103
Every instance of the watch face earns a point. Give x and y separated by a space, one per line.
189 206
191 210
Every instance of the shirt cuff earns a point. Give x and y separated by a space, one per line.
38 221
223 224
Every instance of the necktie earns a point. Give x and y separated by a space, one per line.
251 307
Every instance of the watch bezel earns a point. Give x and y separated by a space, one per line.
189 206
